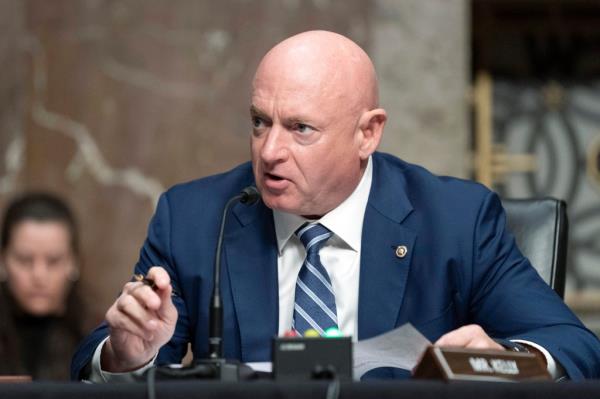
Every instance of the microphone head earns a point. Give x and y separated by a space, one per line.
249 195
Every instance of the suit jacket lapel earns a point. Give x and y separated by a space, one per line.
251 258
383 269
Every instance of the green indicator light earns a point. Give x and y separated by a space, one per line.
333 332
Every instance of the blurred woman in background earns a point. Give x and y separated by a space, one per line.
40 311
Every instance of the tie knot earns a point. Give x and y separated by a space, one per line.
313 236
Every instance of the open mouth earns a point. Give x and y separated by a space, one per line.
275 183
274 177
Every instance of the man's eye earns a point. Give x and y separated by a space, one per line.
302 128
257 122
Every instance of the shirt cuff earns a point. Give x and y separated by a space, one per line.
98 375
557 372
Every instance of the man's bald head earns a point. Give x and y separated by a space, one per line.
315 122
328 61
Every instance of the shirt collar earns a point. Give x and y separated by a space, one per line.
345 221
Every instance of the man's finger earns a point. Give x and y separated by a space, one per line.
164 290
160 277
471 336
127 315
146 296
452 339
132 310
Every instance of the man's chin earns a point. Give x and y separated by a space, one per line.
281 203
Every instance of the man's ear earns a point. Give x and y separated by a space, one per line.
371 126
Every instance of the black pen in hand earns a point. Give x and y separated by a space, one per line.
149 282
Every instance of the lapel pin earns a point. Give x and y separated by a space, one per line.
401 251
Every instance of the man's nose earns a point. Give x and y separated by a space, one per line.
275 146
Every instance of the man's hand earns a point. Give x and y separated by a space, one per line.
141 320
471 336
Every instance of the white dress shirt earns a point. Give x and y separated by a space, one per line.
340 256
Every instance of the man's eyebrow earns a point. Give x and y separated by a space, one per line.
257 112
295 119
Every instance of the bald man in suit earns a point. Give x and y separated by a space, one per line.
405 246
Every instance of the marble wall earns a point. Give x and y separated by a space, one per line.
109 102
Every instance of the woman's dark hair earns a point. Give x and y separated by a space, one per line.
40 207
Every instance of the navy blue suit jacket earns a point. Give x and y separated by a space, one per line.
462 267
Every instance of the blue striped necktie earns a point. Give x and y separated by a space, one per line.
314 304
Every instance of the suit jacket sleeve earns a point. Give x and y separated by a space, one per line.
156 251
510 300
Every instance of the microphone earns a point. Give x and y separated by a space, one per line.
247 196
215 366
224 370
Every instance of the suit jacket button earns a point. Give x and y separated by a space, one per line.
401 251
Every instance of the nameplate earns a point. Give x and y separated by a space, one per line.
457 364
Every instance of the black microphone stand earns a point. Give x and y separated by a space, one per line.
215 366
218 367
